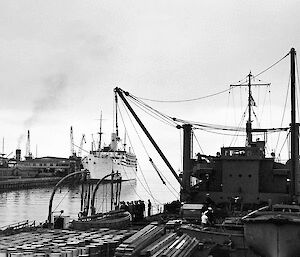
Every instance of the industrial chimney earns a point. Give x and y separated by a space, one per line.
18 155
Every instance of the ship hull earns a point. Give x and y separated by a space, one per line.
100 167
276 236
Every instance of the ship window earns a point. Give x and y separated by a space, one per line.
230 175
249 175
94 162
240 175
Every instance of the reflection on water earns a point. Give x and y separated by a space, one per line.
33 204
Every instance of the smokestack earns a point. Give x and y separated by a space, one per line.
18 155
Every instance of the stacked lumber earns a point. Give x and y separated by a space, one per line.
152 241
134 244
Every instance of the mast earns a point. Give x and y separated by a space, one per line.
251 102
100 133
294 132
116 102
249 122
187 163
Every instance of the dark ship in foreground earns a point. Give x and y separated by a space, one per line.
244 178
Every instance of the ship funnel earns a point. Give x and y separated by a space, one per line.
18 155
114 142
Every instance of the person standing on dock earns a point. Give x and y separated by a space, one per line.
149 207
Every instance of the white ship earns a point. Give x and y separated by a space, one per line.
113 158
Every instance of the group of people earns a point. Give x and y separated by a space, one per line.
136 209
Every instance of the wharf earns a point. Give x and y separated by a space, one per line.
151 240
63 243
22 183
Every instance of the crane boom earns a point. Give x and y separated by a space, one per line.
121 94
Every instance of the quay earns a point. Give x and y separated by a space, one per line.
24 183
151 240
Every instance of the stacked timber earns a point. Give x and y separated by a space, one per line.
152 241
63 243
134 244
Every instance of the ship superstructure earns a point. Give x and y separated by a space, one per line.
110 159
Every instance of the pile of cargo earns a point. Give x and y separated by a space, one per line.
153 241
63 243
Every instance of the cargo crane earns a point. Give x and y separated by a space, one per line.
83 141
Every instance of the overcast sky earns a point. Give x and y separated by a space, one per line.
60 60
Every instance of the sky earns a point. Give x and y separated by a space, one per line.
61 60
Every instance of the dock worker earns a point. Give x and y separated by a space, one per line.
204 219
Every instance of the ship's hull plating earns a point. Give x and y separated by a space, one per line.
274 237
101 166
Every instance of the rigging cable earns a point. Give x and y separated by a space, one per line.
158 113
214 94
162 178
61 200
271 66
143 108
286 138
283 114
185 100
198 143
234 139
147 155
148 191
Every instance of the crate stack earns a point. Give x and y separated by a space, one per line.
63 243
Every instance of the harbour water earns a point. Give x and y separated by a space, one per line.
32 204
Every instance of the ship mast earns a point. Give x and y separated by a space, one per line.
100 133
251 102
249 122
294 190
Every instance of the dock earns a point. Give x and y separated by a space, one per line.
24 183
